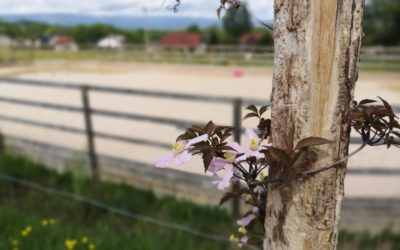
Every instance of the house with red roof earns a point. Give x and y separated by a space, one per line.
189 41
250 39
63 43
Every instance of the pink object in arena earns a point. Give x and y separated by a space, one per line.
238 73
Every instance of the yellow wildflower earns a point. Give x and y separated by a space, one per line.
70 244
85 240
233 238
26 231
242 230
14 242
92 247
45 223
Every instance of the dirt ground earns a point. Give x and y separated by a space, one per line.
193 79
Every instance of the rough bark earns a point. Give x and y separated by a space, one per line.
317 44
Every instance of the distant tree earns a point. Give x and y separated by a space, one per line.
193 28
237 22
135 36
85 34
381 22
266 39
22 29
213 37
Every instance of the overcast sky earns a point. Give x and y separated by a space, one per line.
261 9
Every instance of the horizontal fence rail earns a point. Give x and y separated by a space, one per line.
131 91
88 112
115 114
106 113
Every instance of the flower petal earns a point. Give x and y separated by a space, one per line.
241 158
216 164
182 158
257 154
225 180
197 140
164 161
244 239
250 134
238 149
236 172
246 220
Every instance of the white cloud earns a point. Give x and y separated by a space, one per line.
201 8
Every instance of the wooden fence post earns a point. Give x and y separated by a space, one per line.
89 133
237 133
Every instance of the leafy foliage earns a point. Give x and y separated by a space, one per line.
237 21
376 123
214 146
381 22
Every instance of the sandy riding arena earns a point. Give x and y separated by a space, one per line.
203 80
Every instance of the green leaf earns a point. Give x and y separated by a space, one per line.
312 141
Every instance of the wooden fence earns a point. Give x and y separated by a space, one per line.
88 111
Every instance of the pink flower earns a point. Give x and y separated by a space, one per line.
217 164
244 239
180 154
224 181
196 140
246 220
253 144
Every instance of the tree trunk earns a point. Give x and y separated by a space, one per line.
317 44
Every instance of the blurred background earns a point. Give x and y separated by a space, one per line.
106 86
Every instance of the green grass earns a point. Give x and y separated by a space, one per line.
170 57
385 240
21 207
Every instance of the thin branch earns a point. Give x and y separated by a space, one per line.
333 165
174 7
261 169
239 177
269 181
240 168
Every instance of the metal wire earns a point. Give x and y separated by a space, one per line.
118 211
